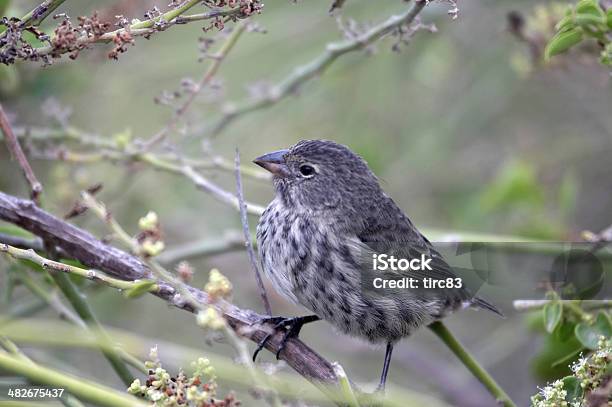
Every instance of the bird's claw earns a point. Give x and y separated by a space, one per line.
294 325
279 322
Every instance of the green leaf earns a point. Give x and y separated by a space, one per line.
591 8
609 18
571 384
565 24
565 330
589 335
591 16
562 42
140 288
590 20
552 315
516 183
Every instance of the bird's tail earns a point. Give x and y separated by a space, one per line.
480 303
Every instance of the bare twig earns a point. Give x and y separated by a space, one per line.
87 315
237 30
314 68
174 166
532 305
247 237
17 153
105 149
40 12
218 192
144 28
187 167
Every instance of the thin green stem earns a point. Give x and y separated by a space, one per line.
79 387
473 366
346 390
70 401
576 309
168 16
100 210
82 307
66 399
245 358
47 264
49 297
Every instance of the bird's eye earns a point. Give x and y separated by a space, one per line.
307 170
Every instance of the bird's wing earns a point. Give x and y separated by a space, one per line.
391 231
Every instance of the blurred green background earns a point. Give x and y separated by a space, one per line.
462 137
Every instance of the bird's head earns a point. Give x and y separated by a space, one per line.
319 174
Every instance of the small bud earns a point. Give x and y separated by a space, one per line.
152 249
184 271
123 139
210 319
135 387
218 285
150 222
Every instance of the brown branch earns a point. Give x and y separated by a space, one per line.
247 237
17 153
91 252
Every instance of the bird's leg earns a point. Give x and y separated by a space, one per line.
385 371
294 326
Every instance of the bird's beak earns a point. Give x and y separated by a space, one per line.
274 162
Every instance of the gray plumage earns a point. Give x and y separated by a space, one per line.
328 215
